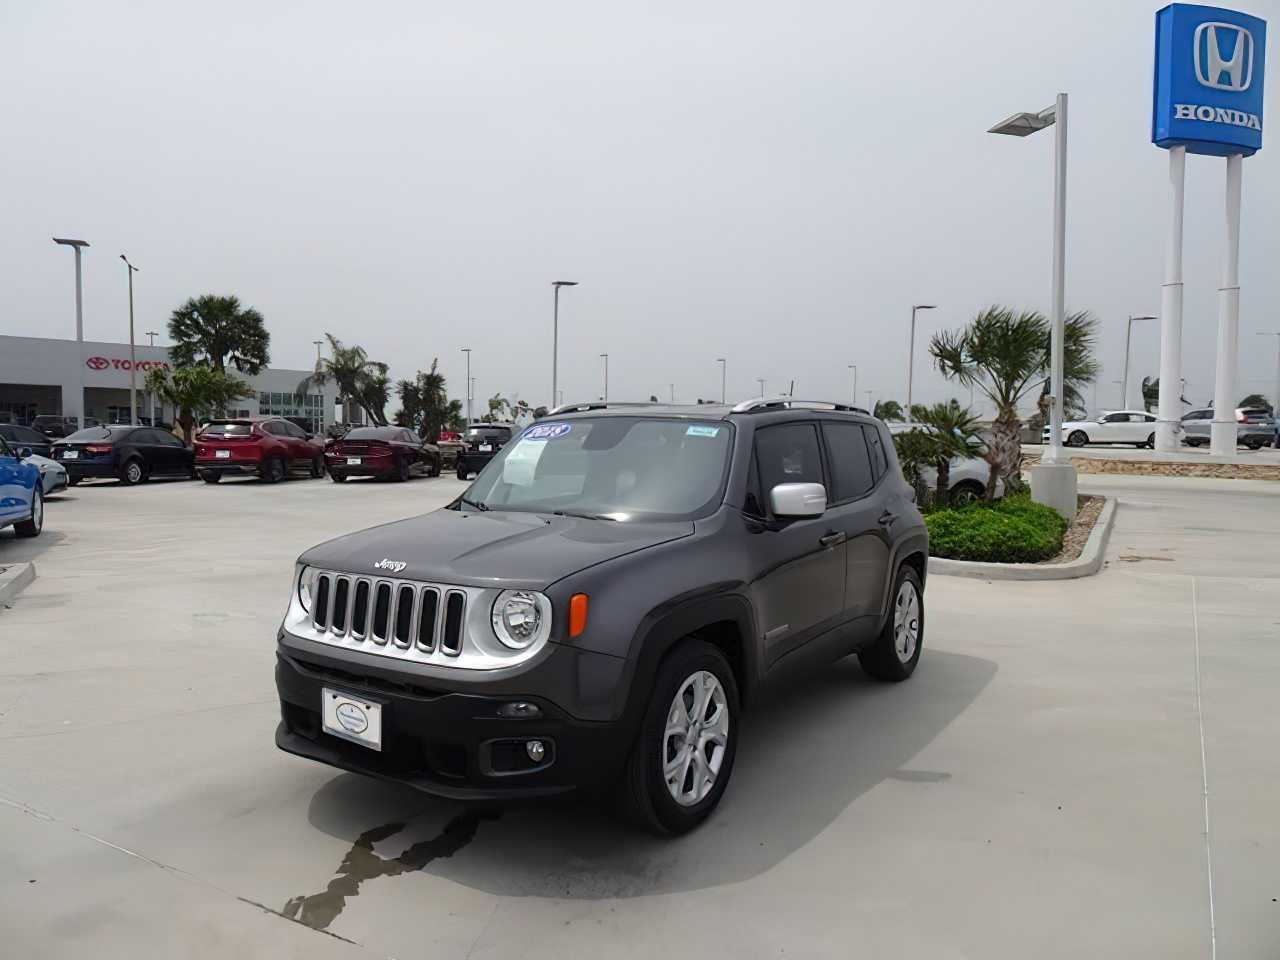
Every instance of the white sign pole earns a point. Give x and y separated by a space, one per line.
1170 409
1223 438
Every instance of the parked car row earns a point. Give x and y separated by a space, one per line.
21 491
1255 428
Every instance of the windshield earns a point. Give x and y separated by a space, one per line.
217 429
489 433
370 433
95 433
620 468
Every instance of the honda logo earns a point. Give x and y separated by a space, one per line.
1212 68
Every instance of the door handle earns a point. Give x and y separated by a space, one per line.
886 519
831 539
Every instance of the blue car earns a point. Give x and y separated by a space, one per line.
21 498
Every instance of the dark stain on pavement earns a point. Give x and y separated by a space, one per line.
361 863
920 776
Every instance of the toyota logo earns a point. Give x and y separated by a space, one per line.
97 363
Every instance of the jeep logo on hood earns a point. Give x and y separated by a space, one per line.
395 566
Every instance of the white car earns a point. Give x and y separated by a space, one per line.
968 474
53 475
1118 426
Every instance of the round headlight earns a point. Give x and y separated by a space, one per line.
519 617
304 588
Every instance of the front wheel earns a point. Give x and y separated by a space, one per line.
966 492
402 470
337 477
1151 442
436 466
896 652
1078 438
462 473
317 468
33 526
683 755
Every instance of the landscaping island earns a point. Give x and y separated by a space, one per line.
1012 530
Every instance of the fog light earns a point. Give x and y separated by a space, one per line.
519 710
536 750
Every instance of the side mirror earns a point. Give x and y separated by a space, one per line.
798 500
24 452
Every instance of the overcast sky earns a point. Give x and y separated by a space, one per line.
771 183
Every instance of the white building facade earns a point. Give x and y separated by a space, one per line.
42 376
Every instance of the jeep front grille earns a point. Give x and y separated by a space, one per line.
402 613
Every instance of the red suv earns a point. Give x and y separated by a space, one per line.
267 447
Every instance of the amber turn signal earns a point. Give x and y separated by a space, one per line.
577 614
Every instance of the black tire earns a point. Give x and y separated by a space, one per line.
1078 438
133 472
967 491
73 481
33 526
462 473
645 797
317 468
1151 442
274 470
337 477
403 472
210 476
436 467
882 660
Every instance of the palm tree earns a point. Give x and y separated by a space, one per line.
1006 356
195 391
214 330
358 379
888 410
425 405
955 432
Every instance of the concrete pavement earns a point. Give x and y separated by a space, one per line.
1038 786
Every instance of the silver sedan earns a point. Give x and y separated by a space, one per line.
53 475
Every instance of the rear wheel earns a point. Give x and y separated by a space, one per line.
966 492
897 651
33 526
133 472
402 469
1078 438
273 471
683 755
462 472
210 476
1151 442
72 480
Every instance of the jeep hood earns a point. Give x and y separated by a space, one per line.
497 548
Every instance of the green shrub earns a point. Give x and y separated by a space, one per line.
1012 530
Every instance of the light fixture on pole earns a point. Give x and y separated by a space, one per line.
555 337
1128 338
316 344
673 392
152 334
133 359
1053 479
467 351
911 350
853 391
724 366
1275 402
760 380
605 358
77 246
870 408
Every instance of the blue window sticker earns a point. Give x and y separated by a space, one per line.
700 431
546 431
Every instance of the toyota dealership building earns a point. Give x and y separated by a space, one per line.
40 376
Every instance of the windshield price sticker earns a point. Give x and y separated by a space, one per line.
697 431
522 462
547 431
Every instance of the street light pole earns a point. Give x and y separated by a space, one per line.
853 391
911 351
870 408
467 351
133 359
1275 403
555 336
1222 436
605 358
1124 377
724 366
760 380
77 245
673 392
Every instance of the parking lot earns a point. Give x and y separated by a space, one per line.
1038 785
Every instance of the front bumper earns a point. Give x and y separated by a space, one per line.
452 742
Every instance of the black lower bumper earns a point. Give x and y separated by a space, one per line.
342 470
222 468
450 744
82 470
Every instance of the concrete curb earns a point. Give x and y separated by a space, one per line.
14 578
1086 565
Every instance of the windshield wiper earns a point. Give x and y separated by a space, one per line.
482 507
584 515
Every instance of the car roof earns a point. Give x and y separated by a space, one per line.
710 411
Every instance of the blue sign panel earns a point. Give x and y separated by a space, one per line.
1208 84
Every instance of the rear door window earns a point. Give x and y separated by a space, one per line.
875 447
851 471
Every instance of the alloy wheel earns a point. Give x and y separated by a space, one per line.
906 622
695 738
37 511
133 472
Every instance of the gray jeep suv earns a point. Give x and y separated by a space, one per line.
603 601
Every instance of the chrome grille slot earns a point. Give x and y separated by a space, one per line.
454 605
427 618
320 602
360 610
381 612
341 594
403 621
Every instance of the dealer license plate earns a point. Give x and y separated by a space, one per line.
70 454
352 718
353 461
222 454
486 448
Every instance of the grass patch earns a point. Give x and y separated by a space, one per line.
1012 530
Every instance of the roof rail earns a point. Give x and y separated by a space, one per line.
758 404
599 405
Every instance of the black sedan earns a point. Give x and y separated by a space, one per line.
393 453
129 454
19 437
480 443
